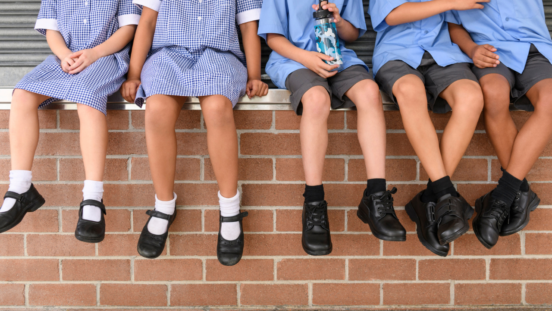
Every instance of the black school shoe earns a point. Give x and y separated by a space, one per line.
91 231
152 245
487 224
29 201
316 238
523 205
452 214
230 253
423 214
377 211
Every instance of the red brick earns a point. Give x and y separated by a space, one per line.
62 295
185 221
393 120
44 169
487 294
12 294
196 194
539 172
311 269
472 192
344 194
257 221
469 245
29 270
289 120
521 269
416 294
204 295
538 243
57 245
120 245
195 244
411 247
541 220
253 120
47 119
116 120
345 294
451 269
245 270
291 169
188 119
355 245
395 170
191 143
43 220
186 169
168 270
61 194
272 195
398 145
4 143
343 144
276 294
406 192
116 220
133 295
58 144
123 143
248 169
273 245
354 224
289 220
11 245
544 191
73 170
382 269
270 144
538 293
129 195
95 270
480 145
468 169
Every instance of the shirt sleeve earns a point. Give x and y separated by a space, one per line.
353 12
248 10
452 17
379 9
128 13
47 17
274 18
152 4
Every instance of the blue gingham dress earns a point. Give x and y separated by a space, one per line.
84 24
195 50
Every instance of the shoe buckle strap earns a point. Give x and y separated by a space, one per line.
157 214
238 217
94 203
13 195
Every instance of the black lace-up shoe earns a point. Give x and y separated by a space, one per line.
487 224
523 205
452 214
26 202
91 231
230 253
152 245
423 214
316 237
377 211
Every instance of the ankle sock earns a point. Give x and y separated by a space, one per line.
93 190
159 226
507 188
427 195
375 185
314 193
524 185
230 207
20 182
442 187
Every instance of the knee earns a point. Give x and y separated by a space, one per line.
155 119
496 99
316 103
218 113
469 103
23 101
544 103
89 113
410 94
367 96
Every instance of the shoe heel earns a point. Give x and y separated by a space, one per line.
535 204
38 205
469 213
411 213
359 215
478 206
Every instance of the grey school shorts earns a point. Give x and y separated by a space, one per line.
302 80
435 78
536 69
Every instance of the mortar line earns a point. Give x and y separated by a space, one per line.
309 286
452 298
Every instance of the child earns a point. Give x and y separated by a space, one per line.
418 66
295 64
512 52
191 48
91 58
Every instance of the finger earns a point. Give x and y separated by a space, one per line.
315 7
490 47
488 59
254 89
70 61
479 6
329 67
331 74
490 55
265 90
324 57
77 64
78 69
76 54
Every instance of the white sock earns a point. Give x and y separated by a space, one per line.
20 182
230 207
159 226
93 190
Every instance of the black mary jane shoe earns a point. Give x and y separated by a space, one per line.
91 231
230 253
377 211
26 202
152 245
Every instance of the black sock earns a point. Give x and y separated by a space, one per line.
375 185
524 185
427 195
442 187
314 193
507 188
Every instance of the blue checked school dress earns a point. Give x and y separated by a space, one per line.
195 49
84 24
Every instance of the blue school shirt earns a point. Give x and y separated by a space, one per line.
511 27
293 19
408 42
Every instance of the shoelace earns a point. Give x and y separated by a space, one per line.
316 216
499 211
385 205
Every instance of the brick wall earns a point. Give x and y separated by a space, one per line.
42 264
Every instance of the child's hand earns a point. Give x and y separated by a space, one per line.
129 89
315 62
67 62
332 8
83 59
463 5
256 87
483 56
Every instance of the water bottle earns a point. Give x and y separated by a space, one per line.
327 40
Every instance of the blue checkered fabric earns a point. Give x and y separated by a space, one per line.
195 50
84 24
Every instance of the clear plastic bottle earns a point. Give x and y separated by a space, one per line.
327 40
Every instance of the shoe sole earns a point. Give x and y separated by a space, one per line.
378 235
414 217
467 216
89 240
317 253
532 206
476 228
18 221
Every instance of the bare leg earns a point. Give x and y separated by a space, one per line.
93 141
